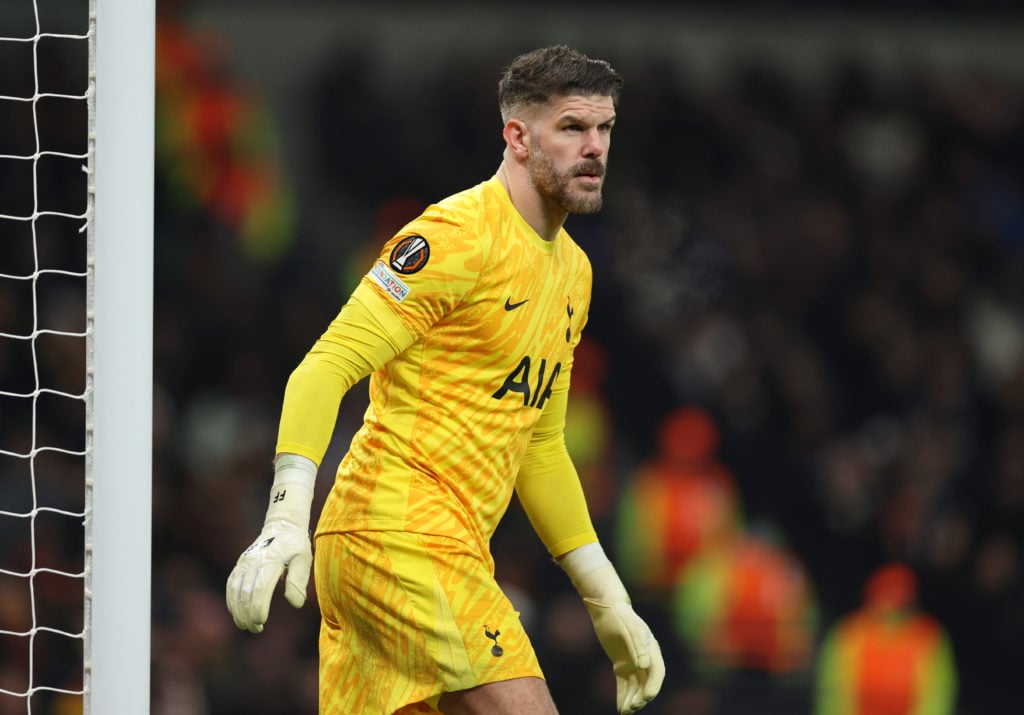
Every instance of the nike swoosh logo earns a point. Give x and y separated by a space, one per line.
509 305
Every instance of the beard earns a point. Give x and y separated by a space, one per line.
557 186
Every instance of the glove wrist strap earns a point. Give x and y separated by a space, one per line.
294 469
593 575
291 496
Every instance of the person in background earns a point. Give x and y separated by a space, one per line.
679 503
888 656
747 604
746 613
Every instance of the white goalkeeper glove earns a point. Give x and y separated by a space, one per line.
282 544
628 641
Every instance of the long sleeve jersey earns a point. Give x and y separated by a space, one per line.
467 325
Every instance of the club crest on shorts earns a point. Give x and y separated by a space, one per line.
410 254
496 650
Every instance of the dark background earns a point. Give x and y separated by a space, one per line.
813 230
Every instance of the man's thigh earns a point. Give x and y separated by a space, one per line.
407 617
519 696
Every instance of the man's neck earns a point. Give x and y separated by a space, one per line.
542 216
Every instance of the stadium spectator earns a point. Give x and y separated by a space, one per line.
887 657
747 604
746 611
677 504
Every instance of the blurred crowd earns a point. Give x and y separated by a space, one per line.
798 412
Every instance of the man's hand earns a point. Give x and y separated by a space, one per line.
282 544
635 654
628 641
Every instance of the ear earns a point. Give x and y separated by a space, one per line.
517 138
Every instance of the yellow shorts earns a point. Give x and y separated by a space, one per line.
407 617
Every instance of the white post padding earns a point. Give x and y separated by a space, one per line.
120 521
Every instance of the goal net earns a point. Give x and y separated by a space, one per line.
75 378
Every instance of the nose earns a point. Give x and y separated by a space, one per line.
595 144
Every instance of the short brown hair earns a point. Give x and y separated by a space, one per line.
539 76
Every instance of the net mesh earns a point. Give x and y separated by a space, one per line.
45 91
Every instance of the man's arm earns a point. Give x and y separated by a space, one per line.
360 340
549 487
552 496
364 337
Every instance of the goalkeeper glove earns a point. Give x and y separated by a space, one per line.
282 544
628 641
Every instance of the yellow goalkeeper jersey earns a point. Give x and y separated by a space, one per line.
493 313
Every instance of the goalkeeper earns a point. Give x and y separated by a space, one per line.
467 325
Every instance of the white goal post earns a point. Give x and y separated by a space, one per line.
119 347
76 277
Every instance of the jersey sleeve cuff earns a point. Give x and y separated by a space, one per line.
564 546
